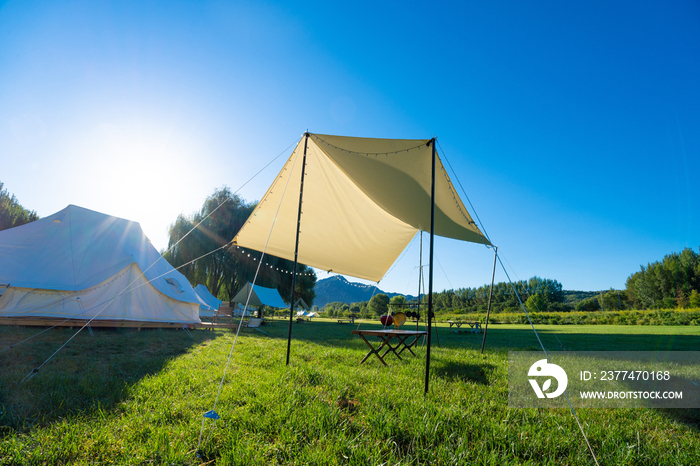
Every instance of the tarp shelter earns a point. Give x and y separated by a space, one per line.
301 303
210 303
261 296
363 202
82 264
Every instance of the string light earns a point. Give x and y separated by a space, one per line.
365 153
242 251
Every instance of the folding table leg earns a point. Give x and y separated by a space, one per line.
373 351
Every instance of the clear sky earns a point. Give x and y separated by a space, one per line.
573 128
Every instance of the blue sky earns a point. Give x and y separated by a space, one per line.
574 129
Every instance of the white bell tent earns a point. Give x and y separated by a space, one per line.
210 302
362 202
82 264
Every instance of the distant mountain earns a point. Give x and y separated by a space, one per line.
337 288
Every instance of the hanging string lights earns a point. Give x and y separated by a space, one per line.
242 252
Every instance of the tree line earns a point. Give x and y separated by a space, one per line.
672 283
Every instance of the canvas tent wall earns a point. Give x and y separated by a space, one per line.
82 264
210 303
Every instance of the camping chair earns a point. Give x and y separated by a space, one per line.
254 322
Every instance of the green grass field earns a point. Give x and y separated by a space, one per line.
126 397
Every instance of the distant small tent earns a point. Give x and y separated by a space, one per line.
82 264
260 296
302 304
210 303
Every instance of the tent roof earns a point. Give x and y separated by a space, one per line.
76 248
209 300
363 201
260 296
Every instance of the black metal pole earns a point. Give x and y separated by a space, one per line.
420 277
430 268
488 310
296 249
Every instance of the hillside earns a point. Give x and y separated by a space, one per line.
338 288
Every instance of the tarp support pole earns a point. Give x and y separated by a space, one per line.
430 268
488 310
420 275
296 249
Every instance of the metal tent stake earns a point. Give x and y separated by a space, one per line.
488 310
296 249
430 268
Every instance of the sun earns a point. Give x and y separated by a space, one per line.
144 172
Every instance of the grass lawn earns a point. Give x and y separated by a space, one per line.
127 397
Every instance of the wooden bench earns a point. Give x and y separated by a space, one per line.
214 325
349 320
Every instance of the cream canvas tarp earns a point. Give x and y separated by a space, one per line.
363 201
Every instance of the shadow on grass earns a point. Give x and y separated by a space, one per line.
463 372
505 338
92 372
514 339
687 416
687 413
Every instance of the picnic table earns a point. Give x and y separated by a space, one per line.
405 340
349 320
474 326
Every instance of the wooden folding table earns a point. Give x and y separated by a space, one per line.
405 340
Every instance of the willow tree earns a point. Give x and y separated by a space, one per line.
12 214
200 245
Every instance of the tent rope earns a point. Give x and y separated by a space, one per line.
212 414
36 370
219 206
573 411
554 333
571 407
465 193
60 300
